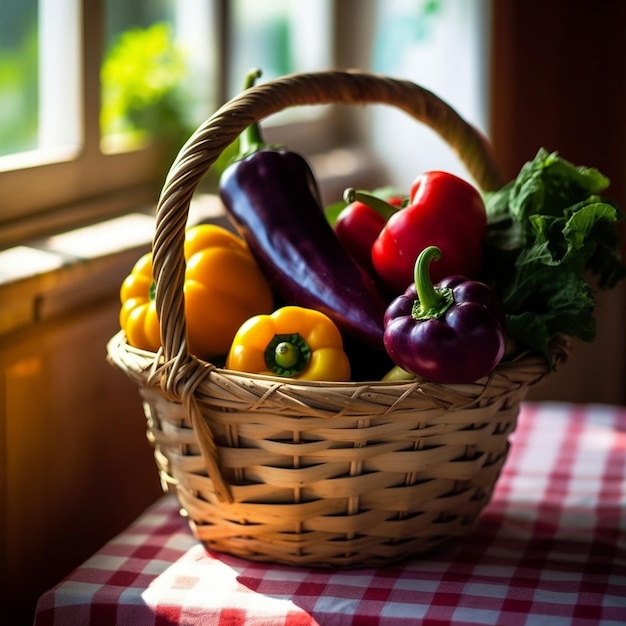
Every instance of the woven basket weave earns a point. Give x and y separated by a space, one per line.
311 473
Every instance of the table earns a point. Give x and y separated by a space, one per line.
550 548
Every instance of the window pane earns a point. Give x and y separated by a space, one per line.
38 103
154 50
278 37
19 123
443 47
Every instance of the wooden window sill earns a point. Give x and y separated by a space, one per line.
52 276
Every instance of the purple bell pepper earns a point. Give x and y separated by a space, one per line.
451 333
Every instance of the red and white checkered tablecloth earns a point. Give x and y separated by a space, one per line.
550 548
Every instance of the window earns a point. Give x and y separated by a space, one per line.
38 104
281 37
441 45
18 58
81 136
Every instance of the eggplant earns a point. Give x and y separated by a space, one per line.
272 197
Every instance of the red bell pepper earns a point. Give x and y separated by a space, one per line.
358 225
449 333
445 211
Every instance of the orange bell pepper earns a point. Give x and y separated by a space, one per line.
223 288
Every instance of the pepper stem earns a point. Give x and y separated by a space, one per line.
250 139
385 209
287 354
431 301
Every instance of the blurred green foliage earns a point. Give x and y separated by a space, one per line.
143 88
19 98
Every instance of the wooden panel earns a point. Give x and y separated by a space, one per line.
77 467
558 72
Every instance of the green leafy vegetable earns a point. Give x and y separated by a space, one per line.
549 234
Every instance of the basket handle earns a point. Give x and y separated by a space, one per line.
225 125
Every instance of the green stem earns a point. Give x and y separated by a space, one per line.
287 354
431 301
250 140
251 78
385 209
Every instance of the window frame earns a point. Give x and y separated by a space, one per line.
53 189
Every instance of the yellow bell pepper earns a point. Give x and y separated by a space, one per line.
294 342
223 287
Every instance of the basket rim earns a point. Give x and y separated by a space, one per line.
155 360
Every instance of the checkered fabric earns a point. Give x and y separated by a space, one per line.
550 548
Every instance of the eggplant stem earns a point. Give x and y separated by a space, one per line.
251 140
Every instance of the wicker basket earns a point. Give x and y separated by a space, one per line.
305 473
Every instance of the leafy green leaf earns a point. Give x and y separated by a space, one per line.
529 330
549 185
548 232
